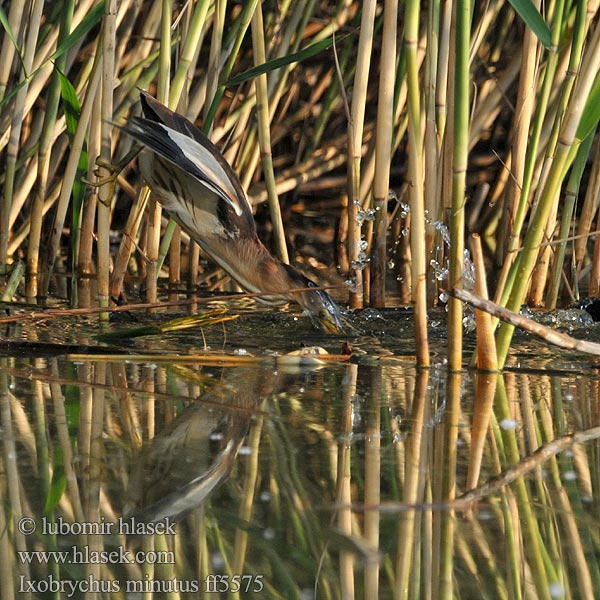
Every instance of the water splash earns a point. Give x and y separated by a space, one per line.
442 228
363 215
440 272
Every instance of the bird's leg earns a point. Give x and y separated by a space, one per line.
114 168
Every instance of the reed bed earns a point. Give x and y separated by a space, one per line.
325 110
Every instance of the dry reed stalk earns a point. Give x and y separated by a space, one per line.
69 176
343 493
485 390
264 134
15 15
525 105
355 146
383 153
12 150
106 192
43 166
372 485
85 261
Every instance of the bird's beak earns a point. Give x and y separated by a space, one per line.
323 311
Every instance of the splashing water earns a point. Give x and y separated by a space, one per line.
363 215
440 272
404 210
468 271
443 230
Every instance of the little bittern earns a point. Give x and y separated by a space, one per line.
196 185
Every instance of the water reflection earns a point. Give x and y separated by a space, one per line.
351 480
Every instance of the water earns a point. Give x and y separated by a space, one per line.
202 465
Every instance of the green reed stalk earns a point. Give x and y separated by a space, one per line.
448 518
264 133
534 549
523 156
414 464
355 137
520 214
415 174
567 142
189 51
459 172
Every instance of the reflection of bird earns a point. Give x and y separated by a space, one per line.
193 455
203 194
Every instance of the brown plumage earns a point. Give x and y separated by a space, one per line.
199 189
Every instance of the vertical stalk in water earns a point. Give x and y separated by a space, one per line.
567 141
383 151
355 136
415 180
459 172
105 193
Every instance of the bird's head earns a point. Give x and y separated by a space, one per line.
318 304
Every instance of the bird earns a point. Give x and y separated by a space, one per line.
194 183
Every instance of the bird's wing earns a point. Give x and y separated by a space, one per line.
182 144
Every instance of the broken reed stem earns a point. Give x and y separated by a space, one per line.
486 344
557 338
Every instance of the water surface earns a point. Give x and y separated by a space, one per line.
210 464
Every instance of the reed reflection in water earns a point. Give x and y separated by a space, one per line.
338 481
